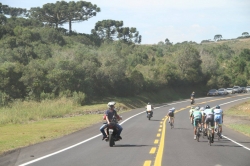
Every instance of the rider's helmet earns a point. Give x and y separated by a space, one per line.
202 108
110 104
218 107
173 109
148 103
193 93
192 107
197 108
207 106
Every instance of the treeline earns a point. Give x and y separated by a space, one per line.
42 62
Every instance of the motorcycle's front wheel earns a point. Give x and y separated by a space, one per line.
111 140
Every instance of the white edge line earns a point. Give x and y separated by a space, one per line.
70 147
230 138
236 142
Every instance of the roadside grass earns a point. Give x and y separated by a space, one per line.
29 122
239 118
18 135
242 128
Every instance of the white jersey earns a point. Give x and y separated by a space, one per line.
218 111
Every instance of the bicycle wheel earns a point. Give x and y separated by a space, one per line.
197 133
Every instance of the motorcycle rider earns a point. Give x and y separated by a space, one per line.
150 108
192 96
108 115
218 117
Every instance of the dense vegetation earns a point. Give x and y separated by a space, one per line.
40 61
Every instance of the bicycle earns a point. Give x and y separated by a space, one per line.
197 132
217 131
209 133
171 122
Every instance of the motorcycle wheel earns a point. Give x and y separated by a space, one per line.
111 141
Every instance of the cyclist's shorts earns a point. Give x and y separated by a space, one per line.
218 118
197 121
171 114
210 118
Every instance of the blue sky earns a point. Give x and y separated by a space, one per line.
156 20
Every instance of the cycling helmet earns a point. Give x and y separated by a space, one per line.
197 108
207 106
193 93
173 109
148 103
110 104
192 107
218 107
202 109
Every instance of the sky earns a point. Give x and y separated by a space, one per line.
156 20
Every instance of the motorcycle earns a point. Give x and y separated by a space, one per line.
192 100
111 131
149 114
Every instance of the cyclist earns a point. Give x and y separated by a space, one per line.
196 116
209 117
171 115
190 114
150 108
202 119
218 118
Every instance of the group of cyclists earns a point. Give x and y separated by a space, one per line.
199 116
202 116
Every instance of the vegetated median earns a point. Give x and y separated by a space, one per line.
26 123
238 118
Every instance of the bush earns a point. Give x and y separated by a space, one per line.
79 98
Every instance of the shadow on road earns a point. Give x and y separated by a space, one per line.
129 145
226 145
182 128
155 120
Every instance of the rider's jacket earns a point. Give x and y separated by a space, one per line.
197 114
110 114
149 107
218 112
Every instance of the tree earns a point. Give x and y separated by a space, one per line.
63 12
127 34
217 37
80 11
107 29
245 34
52 14
12 11
167 42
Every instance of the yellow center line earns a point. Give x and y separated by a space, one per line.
147 163
152 151
158 158
158 135
156 141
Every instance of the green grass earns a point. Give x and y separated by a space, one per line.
18 135
242 113
242 128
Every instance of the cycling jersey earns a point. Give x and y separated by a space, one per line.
209 116
218 115
171 112
197 117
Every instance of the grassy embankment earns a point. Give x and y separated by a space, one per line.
26 123
238 118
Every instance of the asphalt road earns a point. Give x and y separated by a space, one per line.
145 143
